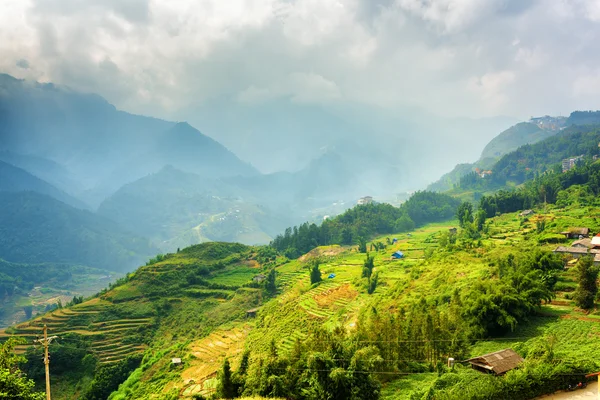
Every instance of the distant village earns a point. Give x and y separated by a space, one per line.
582 246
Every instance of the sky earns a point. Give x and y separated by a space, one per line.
476 58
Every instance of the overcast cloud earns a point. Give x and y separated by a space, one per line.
452 57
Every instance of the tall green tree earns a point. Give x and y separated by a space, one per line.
464 213
362 245
587 288
480 218
315 272
14 385
226 388
270 284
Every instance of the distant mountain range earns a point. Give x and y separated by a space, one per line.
174 186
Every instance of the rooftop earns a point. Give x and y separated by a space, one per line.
498 362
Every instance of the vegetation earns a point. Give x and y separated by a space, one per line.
530 161
13 384
37 229
587 286
337 322
365 221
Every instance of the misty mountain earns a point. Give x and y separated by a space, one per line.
286 135
36 228
101 147
176 208
14 179
514 137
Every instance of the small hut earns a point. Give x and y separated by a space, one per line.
496 363
398 255
251 313
176 362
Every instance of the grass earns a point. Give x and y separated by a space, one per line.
161 305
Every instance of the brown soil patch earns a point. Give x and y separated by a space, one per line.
322 251
560 303
329 297
251 264
588 319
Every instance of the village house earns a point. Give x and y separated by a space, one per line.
576 233
595 242
259 278
578 252
570 163
583 243
497 363
526 213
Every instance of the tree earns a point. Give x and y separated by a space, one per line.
464 213
480 219
368 266
373 283
270 284
315 273
362 245
587 287
14 385
226 388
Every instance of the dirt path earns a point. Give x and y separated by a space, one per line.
589 393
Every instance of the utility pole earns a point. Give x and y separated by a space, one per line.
46 342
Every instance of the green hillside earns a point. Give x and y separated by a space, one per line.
530 161
30 289
35 228
521 134
383 329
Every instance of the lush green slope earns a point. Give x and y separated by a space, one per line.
529 161
30 289
35 228
506 142
477 295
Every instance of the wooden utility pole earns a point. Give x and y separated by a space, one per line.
46 342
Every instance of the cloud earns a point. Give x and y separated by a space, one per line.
452 57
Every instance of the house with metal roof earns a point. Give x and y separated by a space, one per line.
576 233
496 363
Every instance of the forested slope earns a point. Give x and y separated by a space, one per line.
36 228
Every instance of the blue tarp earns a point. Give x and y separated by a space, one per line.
331 276
398 254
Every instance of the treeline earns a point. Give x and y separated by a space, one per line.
547 188
365 221
530 161
393 338
20 278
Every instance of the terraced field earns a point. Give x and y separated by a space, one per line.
107 337
206 358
